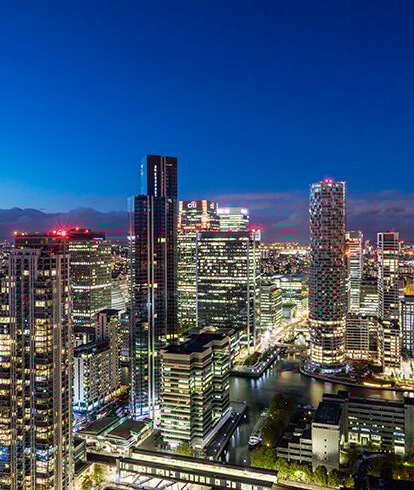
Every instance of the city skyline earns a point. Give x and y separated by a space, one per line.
336 111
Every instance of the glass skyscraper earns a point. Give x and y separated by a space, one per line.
354 247
153 279
228 278
90 274
327 274
37 362
233 218
193 217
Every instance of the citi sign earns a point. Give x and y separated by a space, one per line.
192 205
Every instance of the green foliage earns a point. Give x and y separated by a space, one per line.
263 457
320 475
185 449
300 472
87 482
334 479
349 481
281 409
252 359
98 474
284 468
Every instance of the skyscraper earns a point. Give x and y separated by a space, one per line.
228 278
407 324
193 217
389 299
90 271
354 250
327 293
388 276
233 218
39 441
153 278
270 310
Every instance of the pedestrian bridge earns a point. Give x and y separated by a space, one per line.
178 468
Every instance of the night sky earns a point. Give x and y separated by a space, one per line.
257 99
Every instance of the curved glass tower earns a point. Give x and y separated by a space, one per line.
327 275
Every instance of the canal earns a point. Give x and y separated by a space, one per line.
286 379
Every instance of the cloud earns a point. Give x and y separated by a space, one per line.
279 214
31 220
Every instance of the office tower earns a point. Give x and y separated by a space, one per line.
41 372
119 291
90 266
354 254
388 276
407 324
124 339
228 275
389 299
193 217
270 310
294 288
327 295
361 337
195 388
369 297
233 218
153 278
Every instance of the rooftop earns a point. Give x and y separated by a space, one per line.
197 343
99 426
125 430
328 412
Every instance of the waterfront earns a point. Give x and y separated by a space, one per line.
258 393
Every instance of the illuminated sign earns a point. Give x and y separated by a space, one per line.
192 205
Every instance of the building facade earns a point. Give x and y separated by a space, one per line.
193 217
354 242
270 310
153 279
389 299
96 376
228 278
90 266
407 324
233 218
38 440
388 276
195 388
327 292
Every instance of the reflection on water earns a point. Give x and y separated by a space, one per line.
258 393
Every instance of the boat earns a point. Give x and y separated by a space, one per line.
255 436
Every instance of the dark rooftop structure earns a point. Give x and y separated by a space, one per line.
197 343
127 428
329 412
99 426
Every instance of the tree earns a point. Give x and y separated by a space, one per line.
87 482
320 475
263 457
349 481
284 468
98 474
307 473
334 479
184 449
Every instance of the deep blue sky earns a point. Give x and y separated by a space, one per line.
254 97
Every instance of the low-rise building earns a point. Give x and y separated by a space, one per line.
115 435
327 430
